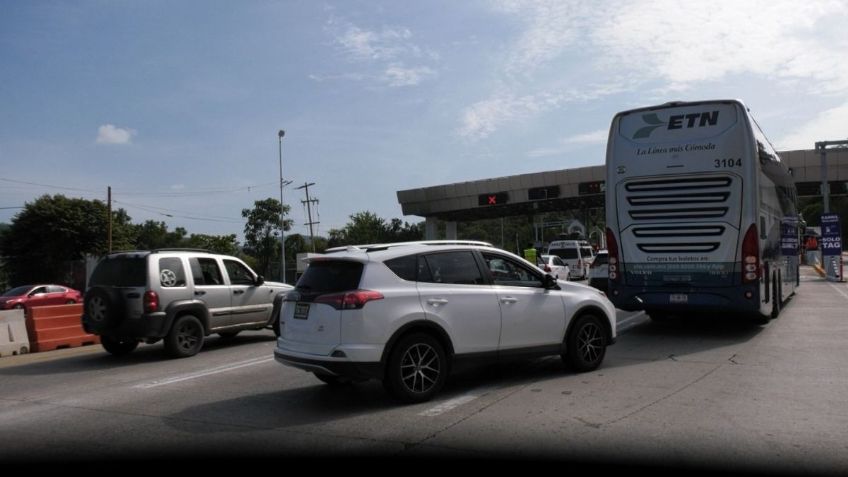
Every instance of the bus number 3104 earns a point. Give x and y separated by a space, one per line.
725 163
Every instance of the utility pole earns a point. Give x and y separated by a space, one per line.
309 203
109 208
280 135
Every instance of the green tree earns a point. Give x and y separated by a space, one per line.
4 279
53 231
367 228
152 235
262 231
223 244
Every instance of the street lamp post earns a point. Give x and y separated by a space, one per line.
282 210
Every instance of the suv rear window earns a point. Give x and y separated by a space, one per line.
330 276
404 267
120 272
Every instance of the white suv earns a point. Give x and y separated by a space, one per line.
410 313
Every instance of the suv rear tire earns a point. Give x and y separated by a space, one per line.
417 368
186 337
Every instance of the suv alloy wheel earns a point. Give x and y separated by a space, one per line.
417 369
585 344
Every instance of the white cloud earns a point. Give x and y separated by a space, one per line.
483 118
386 52
111 134
694 42
553 28
370 45
830 125
660 44
570 143
398 75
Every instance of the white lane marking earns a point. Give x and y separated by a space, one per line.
454 403
622 325
200 374
841 292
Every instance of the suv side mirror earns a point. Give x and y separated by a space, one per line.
259 280
550 283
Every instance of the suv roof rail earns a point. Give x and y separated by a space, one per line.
385 246
178 249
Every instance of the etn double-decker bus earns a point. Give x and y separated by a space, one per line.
700 212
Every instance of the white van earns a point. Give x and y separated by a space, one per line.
577 254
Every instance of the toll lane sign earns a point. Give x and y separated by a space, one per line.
831 241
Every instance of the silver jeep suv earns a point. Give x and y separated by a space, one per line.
176 295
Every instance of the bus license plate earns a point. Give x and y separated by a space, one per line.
678 298
301 311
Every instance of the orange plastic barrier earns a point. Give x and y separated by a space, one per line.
55 327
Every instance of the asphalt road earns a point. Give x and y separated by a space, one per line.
700 393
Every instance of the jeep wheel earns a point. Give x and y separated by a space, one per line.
417 368
118 346
185 338
585 345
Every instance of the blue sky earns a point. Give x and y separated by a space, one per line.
176 104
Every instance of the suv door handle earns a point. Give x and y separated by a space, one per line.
509 300
199 293
437 301
238 292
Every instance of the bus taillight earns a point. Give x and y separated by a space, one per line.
612 253
751 256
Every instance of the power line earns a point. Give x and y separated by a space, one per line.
148 193
46 185
167 213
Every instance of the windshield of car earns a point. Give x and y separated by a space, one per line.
17 291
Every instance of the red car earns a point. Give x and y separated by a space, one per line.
28 296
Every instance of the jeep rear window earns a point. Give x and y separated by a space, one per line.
327 276
120 272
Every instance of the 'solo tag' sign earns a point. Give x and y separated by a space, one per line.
831 242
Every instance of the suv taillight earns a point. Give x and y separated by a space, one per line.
151 302
547 268
612 257
751 256
352 300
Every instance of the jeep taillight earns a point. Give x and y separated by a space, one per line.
612 257
751 256
352 300
151 302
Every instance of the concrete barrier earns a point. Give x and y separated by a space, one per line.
14 338
55 327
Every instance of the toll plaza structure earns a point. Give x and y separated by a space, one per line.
575 189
